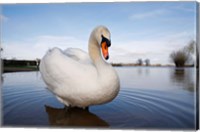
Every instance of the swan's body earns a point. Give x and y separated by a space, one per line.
79 79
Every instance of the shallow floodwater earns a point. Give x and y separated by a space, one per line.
150 97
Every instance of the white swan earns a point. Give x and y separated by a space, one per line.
78 79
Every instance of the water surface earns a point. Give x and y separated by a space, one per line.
156 98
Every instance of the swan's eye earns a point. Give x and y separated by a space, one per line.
104 39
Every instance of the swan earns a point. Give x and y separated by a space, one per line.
79 79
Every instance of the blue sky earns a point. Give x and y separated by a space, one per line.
138 29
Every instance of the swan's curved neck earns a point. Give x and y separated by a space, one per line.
94 50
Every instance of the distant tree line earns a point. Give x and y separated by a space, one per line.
11 63
140 62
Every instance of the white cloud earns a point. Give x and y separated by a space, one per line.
37 47
130 52
150 14
157 50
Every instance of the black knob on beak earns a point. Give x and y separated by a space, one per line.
104 39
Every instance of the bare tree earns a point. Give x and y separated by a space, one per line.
139 62
147 62
180 57
190 47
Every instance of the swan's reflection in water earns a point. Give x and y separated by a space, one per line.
73 117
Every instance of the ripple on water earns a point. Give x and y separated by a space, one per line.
138 108
24 104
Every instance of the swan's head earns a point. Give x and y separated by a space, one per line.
102 35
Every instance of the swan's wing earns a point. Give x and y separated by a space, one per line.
60 72
78 55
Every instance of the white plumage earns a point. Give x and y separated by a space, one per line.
79 79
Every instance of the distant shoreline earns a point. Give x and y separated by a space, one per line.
26 69
33 65
135 65
19 69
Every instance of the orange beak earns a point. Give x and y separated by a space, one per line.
104 48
